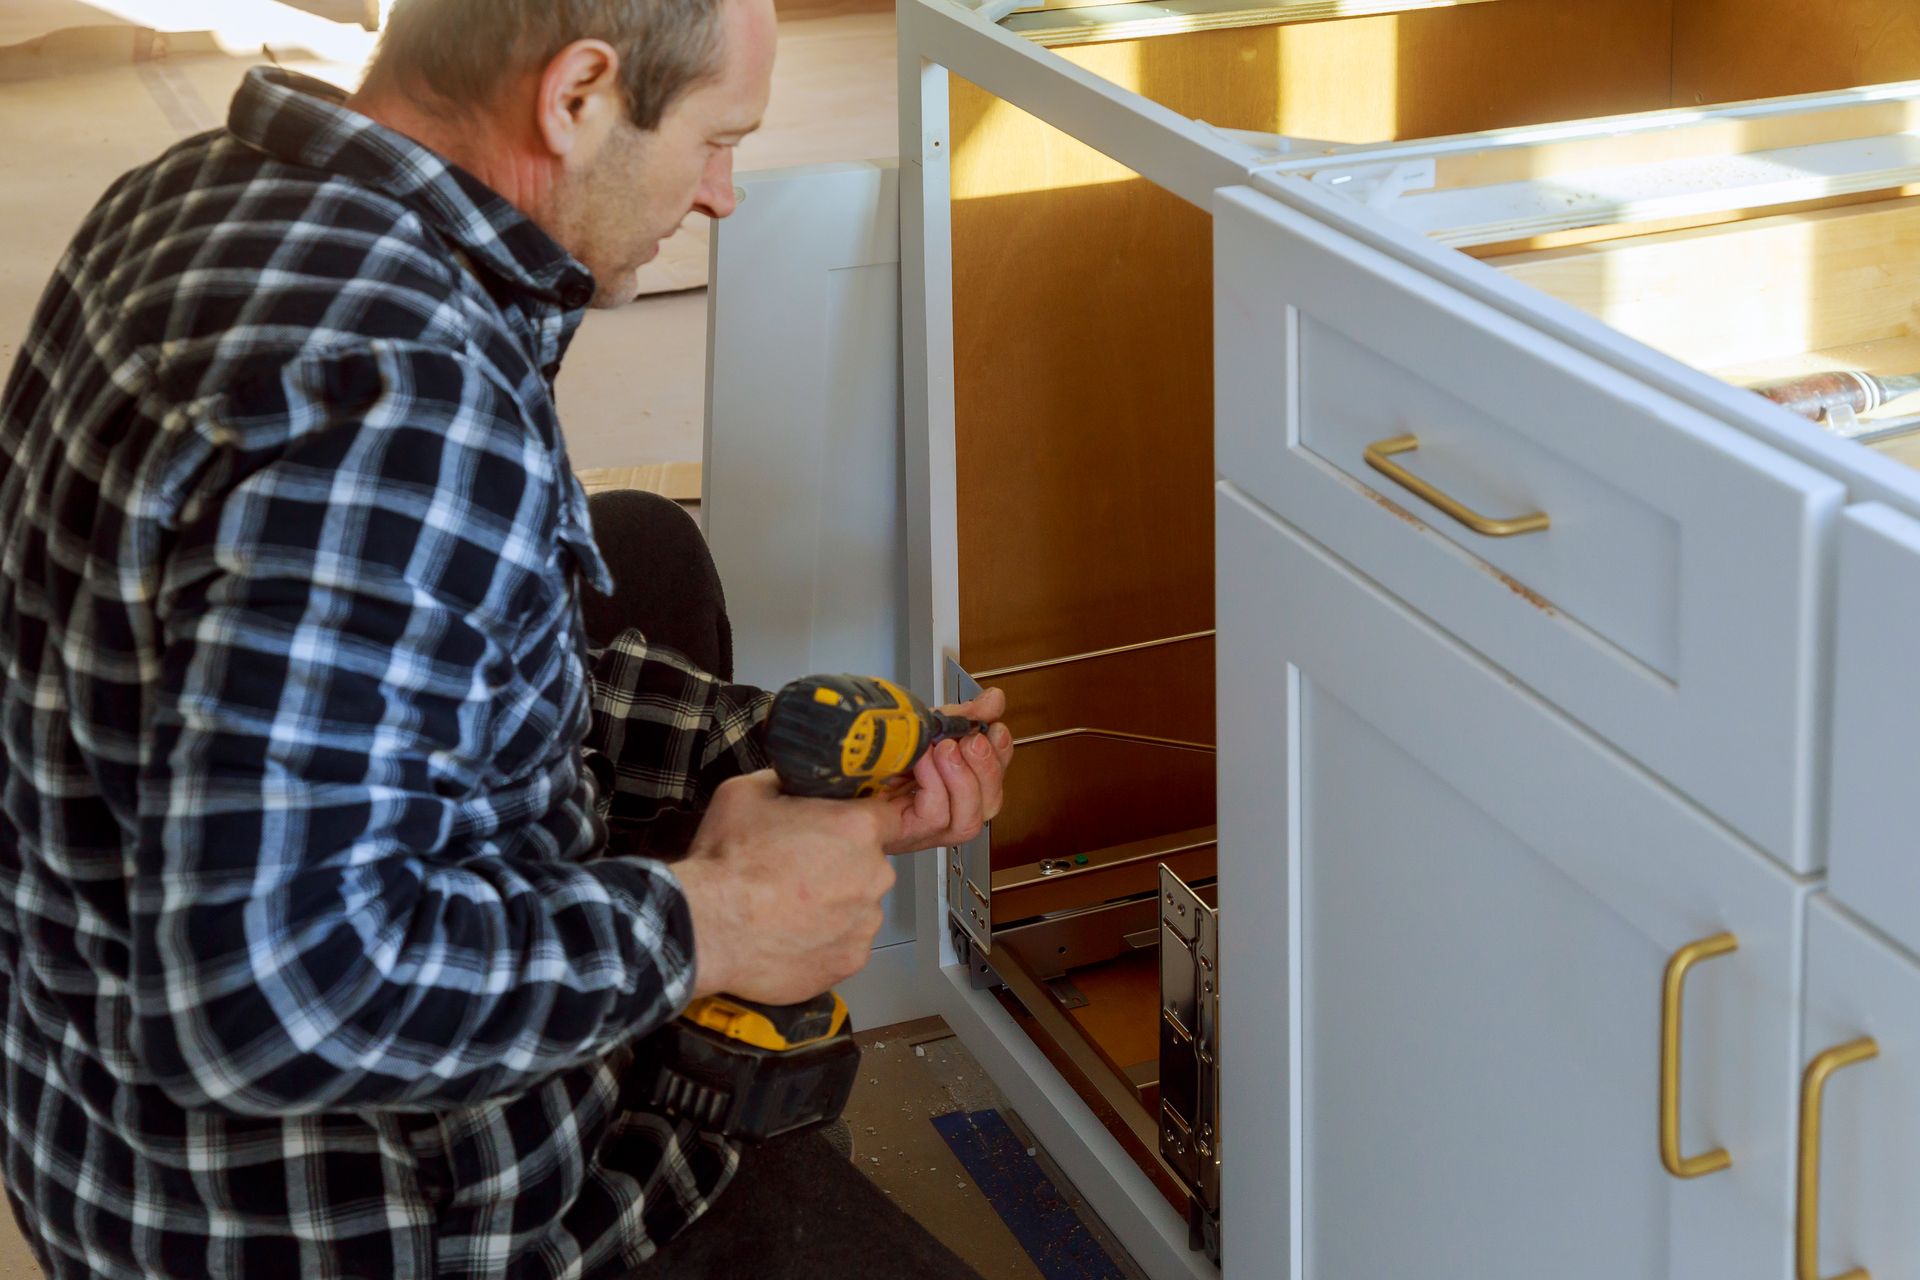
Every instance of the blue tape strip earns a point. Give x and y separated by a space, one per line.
1025 1198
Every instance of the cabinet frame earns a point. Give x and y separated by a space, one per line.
1868 476
1426 693
1191 160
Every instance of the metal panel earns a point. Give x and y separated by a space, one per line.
970 866
1190 1127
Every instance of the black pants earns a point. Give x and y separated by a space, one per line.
664 581
797 1209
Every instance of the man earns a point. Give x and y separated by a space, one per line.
313 961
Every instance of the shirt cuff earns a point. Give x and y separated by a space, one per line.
662 924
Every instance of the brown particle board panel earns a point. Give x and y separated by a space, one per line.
1080 795
1082 360
1084 371
1076 795
1122 1013
1768 289
1728 50
1083 298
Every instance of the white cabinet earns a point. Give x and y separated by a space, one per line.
1472 904
1644 567
1874 853
1868 1151
1480 782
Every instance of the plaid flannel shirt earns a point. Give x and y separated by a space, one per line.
312 959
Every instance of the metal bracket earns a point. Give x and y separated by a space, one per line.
994 12
979 973
1190 1131
1274 148
970 866
1379 185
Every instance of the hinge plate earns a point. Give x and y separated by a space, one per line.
1379 184
970 866
1190 1044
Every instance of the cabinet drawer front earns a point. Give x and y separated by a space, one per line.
1477 902
1869 1157
1665 600
1874 849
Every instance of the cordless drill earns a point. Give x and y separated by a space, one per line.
750 1070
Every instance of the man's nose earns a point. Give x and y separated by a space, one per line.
715 197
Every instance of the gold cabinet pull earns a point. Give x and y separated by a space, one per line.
1813 1087
1672 993
1380 457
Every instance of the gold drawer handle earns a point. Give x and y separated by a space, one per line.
1672 993
1379 456
1813 1088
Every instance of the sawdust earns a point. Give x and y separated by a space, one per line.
1393 508
1513 584
1526 593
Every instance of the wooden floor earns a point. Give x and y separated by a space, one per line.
76 111
910 1074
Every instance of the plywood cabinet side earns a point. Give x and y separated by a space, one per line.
1082 306
1082 309
1755 291
1077 795
1082 395
1441 69
1729 50
1083 471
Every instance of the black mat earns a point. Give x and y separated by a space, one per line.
798 1210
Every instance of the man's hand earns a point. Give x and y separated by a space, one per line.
956 787
785 892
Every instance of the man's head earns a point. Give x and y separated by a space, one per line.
606 121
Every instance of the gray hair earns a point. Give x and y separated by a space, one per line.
462 50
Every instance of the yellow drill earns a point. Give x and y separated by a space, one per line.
750 1070
843 737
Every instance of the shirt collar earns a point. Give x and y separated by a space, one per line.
303 121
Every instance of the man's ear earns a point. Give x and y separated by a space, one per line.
579 99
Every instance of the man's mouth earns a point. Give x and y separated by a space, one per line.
655 251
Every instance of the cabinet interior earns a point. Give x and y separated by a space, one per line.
1762 298
1083 396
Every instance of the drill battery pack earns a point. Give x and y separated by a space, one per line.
747 1070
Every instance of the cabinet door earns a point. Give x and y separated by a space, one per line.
801 497
1442 1055
802 480
1640 565
1867 1159
1874 851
